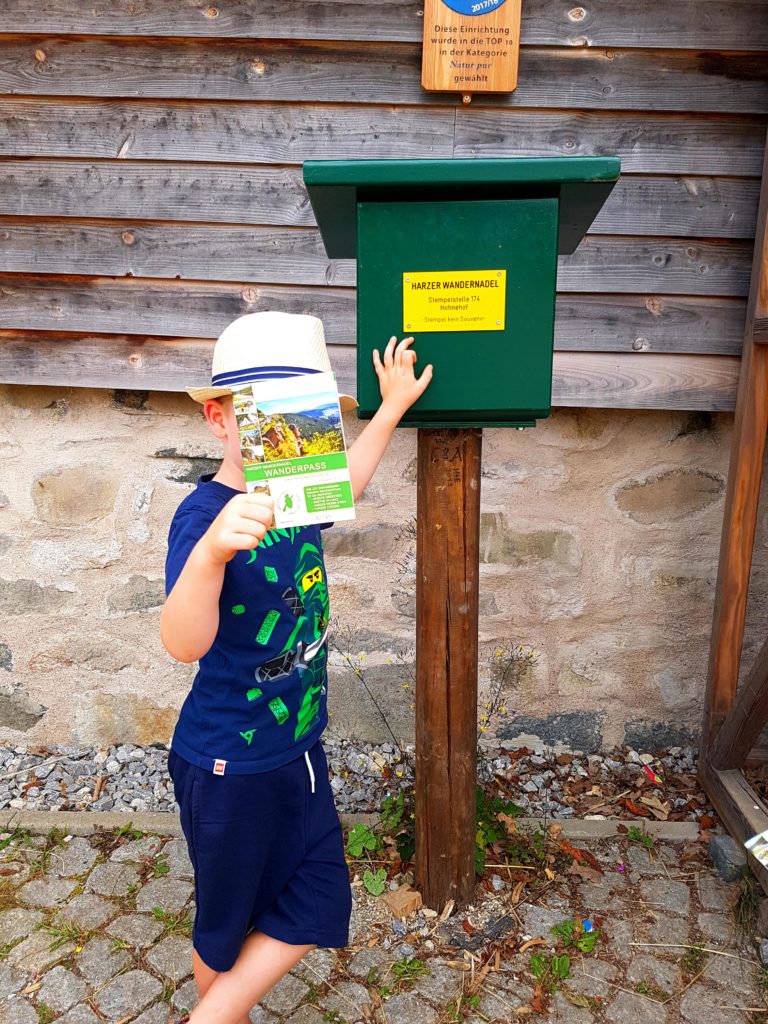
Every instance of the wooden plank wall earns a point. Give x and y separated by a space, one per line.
150 178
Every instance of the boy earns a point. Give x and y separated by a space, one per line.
247 764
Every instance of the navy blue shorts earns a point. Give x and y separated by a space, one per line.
268 855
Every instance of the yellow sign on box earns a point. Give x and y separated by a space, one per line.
454 300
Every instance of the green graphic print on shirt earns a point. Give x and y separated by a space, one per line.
303 650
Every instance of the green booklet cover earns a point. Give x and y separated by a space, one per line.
292 440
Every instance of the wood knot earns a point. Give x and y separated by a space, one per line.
577 14
249 294
40 56
128 237
212 12
135 359
258 66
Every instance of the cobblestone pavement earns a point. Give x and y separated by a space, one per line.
96 929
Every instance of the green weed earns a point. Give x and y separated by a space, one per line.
160 866
374 980
693 961
173 924
18 836
45 1015
396 819
745 910
490 829
639 835
363 841
652 990
6 949
127 831
572 933
169 991
56 837
68 932
549 969
375 882
408 969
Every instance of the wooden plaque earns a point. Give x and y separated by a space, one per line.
470 45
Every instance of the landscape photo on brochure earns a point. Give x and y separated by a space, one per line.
292 441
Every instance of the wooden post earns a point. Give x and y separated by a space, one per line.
447 577
742 496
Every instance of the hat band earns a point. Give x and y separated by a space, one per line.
250 374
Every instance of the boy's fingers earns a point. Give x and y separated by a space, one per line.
425 378
243 541
388 358
377 361
252 523
258 498
401 349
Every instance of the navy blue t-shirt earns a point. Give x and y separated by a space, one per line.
259 697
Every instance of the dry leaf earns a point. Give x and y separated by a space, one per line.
639 812
538 941
468 928
584 872
579 855
509 823
576 999
550 874
539 1001
554 831
658 809
517 892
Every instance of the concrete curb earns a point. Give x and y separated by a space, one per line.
85 823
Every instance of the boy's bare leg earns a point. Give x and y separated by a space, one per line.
262 962
205 977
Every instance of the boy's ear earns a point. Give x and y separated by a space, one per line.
213 410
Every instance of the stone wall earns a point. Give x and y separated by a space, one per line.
600 534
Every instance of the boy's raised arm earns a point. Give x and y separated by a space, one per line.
189 620
400 388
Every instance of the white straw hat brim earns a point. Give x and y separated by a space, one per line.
347 402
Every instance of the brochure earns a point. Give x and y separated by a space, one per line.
758 847
292 441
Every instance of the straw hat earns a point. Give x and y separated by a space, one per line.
267 346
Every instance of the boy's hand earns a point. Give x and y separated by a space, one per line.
240 526
399 385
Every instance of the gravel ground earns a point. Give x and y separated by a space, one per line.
133 778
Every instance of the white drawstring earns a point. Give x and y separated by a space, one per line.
310 770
